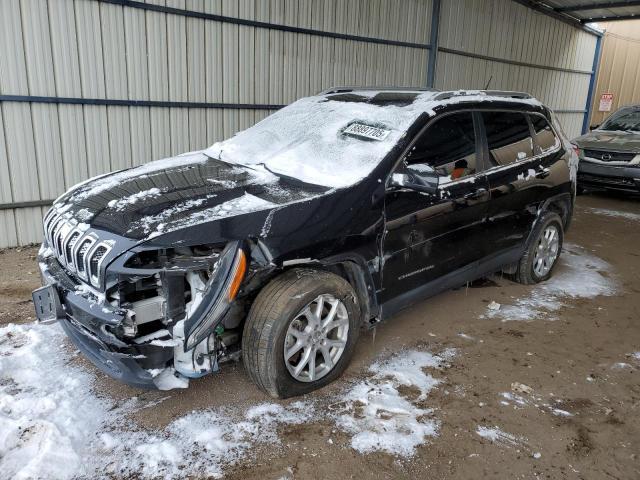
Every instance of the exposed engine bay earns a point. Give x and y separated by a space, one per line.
172 311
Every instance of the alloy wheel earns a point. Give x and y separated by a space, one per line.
316 338
546 251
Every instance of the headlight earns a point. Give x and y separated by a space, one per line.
577 150
220 291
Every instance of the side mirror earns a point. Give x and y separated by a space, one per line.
593 127
421 183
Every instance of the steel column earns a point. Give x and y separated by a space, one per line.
592 86
433 43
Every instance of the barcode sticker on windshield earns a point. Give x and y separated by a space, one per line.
366 131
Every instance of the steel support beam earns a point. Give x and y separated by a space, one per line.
597 6
612 18
433 43
592 85
134 103
546 10
31 204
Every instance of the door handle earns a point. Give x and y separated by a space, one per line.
475 194
543 173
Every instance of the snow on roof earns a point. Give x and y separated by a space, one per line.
307 139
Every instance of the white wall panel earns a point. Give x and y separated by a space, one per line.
504 29
94 50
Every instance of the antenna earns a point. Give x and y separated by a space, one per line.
488 82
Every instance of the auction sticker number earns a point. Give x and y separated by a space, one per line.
366 131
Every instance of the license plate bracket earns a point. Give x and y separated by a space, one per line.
48 306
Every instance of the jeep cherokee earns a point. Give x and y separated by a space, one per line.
281 243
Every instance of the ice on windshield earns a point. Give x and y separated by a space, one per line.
307 139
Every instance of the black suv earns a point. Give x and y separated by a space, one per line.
282 242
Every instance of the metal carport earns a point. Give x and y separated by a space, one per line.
591 11
91 86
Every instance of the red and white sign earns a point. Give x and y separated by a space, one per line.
606 100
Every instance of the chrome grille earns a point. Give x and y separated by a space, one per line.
81 255
95 261
607 156
68 249
79 252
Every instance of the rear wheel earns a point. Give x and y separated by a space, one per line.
537 263
301 332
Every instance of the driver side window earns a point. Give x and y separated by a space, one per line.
448 147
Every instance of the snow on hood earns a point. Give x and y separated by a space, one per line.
105 182
175 193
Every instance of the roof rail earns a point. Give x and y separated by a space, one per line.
346 89
489 93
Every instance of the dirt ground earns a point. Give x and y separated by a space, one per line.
581 358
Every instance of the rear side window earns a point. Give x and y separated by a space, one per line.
448 146
544 137
508 136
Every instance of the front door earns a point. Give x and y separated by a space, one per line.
430 235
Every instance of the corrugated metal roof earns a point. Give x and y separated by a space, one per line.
586 11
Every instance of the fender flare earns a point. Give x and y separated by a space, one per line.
359 276
565 201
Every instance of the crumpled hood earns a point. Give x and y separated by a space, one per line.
610 140
175 193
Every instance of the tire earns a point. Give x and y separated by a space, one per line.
277 314
528 271
580 190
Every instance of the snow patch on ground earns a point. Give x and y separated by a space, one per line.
48 413
200 443
615 213
579 274
380 414
496 435
53 425
535 401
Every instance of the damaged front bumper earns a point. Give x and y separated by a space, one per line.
87 324
178 339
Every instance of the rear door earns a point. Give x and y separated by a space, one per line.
428 236
517 175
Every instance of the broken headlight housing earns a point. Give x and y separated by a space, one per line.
219 292
196 285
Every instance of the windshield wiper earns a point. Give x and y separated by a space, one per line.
231 164
296 181
286 178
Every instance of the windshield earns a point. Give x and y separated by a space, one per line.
628 121
333 141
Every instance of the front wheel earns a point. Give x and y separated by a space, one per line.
301 332
541 256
